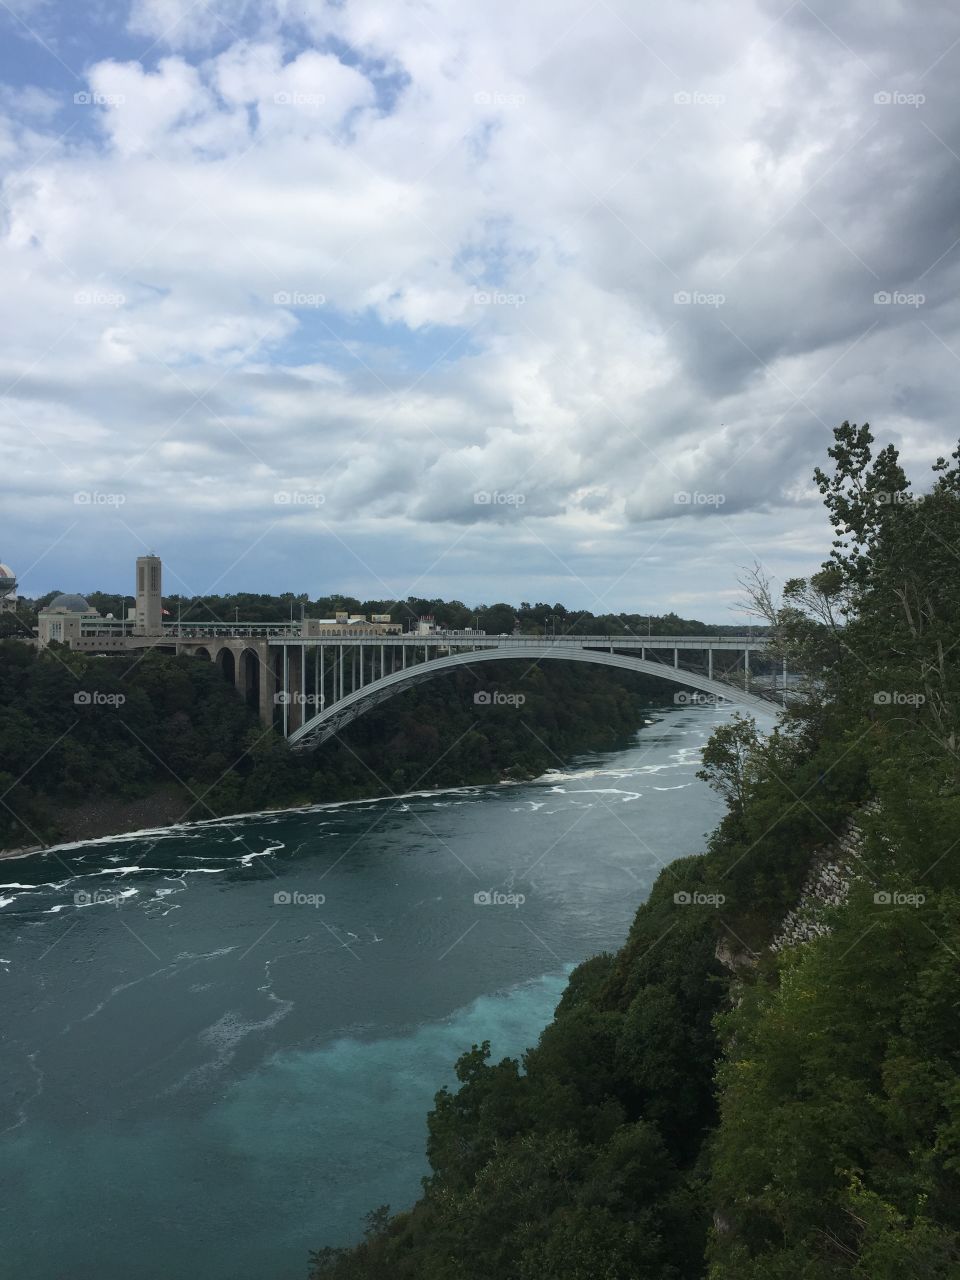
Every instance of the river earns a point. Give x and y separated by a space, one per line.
221 1040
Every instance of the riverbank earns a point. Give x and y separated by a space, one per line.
106 820
106 816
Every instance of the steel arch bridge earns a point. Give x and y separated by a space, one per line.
299 694
310 685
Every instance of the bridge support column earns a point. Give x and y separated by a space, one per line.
746 669
285 682
268 685
784 682
710 663
295 690
676 657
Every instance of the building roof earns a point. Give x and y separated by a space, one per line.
68 603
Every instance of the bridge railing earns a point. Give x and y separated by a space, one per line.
414 639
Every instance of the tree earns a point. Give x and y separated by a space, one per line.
726 760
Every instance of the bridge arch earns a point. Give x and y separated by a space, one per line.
248 677
339 714
226 660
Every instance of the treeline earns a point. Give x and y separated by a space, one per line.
74 727
532 619
704 1105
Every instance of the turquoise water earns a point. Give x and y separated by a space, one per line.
209 1071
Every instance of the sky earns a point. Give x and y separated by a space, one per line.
547 301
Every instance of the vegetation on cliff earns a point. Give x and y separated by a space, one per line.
703 1105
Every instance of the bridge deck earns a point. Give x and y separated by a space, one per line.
522 643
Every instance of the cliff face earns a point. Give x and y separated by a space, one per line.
827 885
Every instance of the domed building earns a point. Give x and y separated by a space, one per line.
69 603
8 589
63 618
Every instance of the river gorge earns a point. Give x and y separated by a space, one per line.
222 1039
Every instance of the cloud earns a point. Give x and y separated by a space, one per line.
581 260
185 24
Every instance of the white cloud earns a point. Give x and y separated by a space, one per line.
454 259
142 111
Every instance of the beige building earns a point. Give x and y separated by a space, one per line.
356 625
70 620
148 615
63 619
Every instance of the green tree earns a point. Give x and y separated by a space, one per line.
727 760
